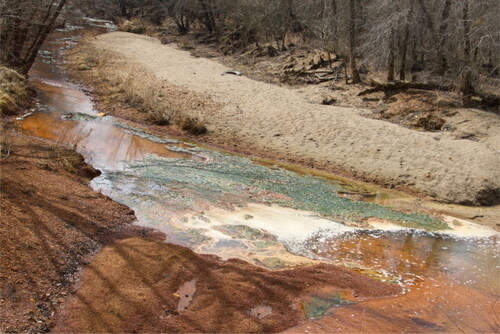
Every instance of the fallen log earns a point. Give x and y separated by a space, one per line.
489 101
318 72
387 87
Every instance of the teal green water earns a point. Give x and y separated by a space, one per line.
318 306
222 176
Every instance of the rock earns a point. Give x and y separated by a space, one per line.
271 51
165 40
431 122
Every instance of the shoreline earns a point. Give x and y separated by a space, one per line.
352 146
52 222
130 272
80 260
103 94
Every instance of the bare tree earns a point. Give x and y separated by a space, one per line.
451 41
24 26
352 38
443 29
466 87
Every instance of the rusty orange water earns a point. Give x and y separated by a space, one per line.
110 144
452 285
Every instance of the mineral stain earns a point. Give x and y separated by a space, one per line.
318 306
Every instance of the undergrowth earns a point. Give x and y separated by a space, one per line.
14 91
5 138
163 103
192 126
65 157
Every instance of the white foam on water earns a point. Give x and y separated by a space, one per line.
294 227
459 228
464 228
288 225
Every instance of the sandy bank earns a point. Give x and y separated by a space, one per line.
268 117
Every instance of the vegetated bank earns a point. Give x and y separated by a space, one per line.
15 92
280 122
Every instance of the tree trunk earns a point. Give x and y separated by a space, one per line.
352 37
404 45
208 18
426 15
404 51
441 62
390 61
42 35
283 40
39 34
334 13
466 87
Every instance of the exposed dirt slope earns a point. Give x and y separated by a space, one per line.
50 219
262 116
132 286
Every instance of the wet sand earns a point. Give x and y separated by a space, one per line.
431 309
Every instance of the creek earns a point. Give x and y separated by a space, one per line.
232 206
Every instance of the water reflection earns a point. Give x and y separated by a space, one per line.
103 143
417 256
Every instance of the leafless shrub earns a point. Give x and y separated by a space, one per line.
24 26
192 125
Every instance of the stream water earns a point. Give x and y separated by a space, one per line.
231 206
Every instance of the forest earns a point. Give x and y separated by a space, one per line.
449 43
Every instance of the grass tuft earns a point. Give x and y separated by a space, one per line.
192 125
14 91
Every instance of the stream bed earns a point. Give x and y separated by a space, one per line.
231 206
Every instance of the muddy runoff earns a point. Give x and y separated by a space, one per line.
436 272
